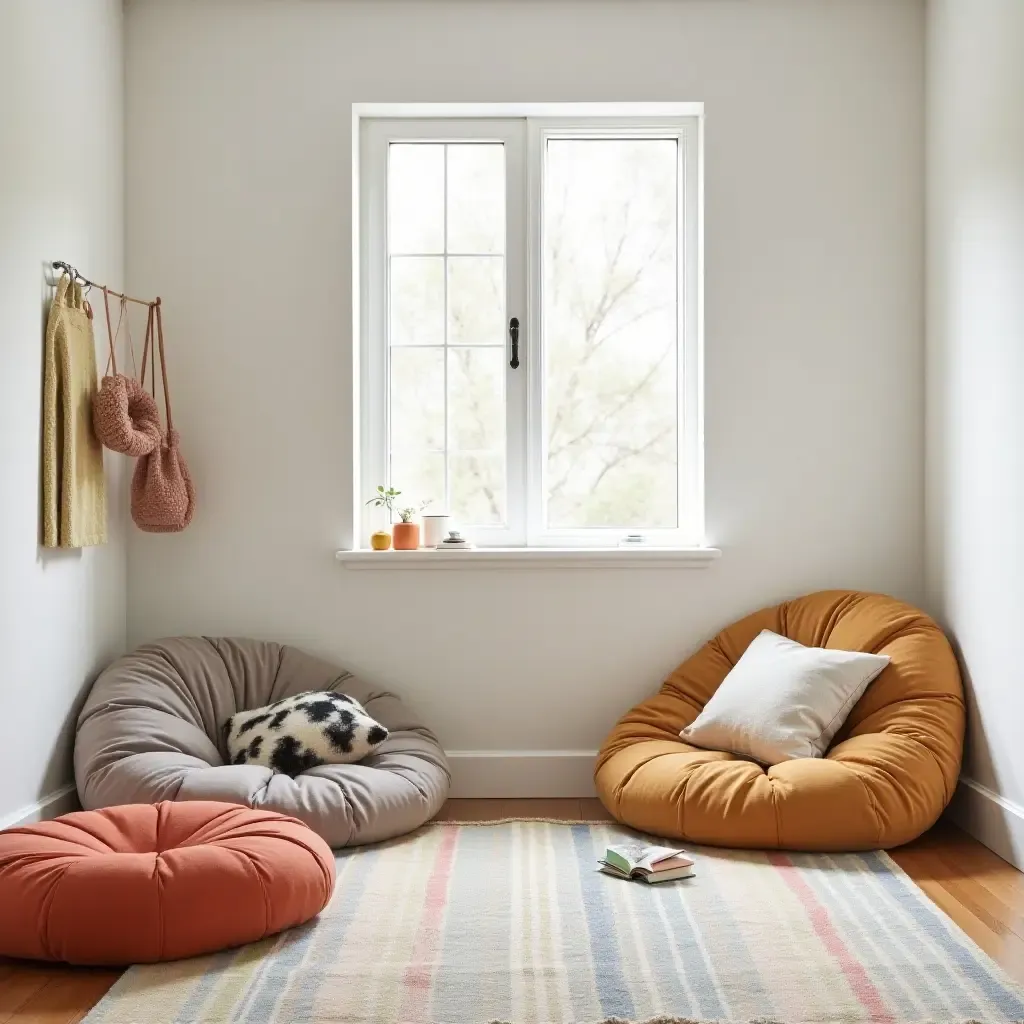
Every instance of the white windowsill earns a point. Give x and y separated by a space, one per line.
523 558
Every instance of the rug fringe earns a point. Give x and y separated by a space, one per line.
694 1020
662 1020
659 1020
549 821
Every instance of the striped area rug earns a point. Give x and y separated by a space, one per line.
470 924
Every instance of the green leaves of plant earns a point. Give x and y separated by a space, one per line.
384 498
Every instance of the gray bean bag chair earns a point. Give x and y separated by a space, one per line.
151 729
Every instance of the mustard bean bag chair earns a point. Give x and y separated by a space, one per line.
888 775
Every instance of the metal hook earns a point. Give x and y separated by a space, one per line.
73 273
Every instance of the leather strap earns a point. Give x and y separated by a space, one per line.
154 337
163 364
146 348
112 358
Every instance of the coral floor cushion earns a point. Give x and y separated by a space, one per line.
141 883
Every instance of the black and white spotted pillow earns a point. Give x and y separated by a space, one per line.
301 732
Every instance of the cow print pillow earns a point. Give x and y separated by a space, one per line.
301 732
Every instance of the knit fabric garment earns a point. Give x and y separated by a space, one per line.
125 417
74 487
163 497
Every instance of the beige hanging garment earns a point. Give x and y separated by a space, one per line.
74 487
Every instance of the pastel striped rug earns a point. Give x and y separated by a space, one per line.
471 924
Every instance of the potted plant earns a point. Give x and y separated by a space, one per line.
380 540
407 533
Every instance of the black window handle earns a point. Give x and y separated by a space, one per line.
513 331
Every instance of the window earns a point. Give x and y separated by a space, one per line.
573 243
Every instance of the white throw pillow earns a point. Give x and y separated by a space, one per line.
783 700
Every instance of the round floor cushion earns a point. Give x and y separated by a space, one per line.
886 778
152 729
143 883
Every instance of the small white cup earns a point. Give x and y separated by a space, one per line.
435 529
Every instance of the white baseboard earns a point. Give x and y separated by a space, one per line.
60 801
522 773
991 819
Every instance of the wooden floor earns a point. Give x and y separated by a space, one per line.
980 892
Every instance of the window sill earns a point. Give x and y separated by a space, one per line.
526 558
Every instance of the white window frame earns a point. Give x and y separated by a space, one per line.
524 130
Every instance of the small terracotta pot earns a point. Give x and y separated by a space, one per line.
406 536
380 541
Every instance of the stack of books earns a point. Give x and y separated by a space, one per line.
651 864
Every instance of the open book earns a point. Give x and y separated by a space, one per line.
650 864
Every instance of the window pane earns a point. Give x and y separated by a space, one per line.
477 481
416 198
419 476
476 198
476 399
610 334
417 399
446 316
476 300
417 300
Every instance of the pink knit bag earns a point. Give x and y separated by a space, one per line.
124 415
163 498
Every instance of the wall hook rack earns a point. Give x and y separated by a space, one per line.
73 273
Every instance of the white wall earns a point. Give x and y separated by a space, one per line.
975 577
239 215
62 614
